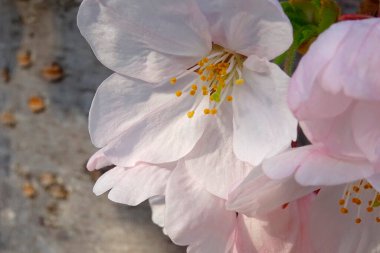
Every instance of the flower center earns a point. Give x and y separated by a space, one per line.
360 195
217 73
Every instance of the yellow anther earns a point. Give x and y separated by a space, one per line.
358 220
200 63
178 93
200 72
203 78
239 81
370 209
206 111
205 92
230 98
205 60
173 80
194 87
214 111
344 210
342 202
377 219
204 87
192 92
190 114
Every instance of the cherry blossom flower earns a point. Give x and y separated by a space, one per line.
335 93
179 66
193 106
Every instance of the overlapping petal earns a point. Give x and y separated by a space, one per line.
195 217
259 194
263 124
212 162
366 130
135 119
132 186
152 41
249 27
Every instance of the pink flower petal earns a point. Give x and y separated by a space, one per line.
285 164
255 27
258 194
335 232
263 126
98 161
195 217
321 169
366 130
147 40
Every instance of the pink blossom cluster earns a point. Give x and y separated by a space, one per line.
199 121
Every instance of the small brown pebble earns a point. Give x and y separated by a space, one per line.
36 104
52 208
47 179
24 59
5 75
29 190
53 72
8 119
58 191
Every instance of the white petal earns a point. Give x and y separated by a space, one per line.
98 161
258 194
195 217
249 27
139 184
212 162
152 41
141 122
108 180
286 163
263 124
157 204
322 169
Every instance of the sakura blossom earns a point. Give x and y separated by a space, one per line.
335 95
193 106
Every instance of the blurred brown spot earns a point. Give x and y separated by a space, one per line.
24 59
53 72
36 104
5 74
8 119
52 208
47 179
29 190
58 191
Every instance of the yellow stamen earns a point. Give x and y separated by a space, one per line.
194 87
206 111
178 93
190 114
192 92
214 111
230 98
173 80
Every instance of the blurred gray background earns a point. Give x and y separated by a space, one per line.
46 200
